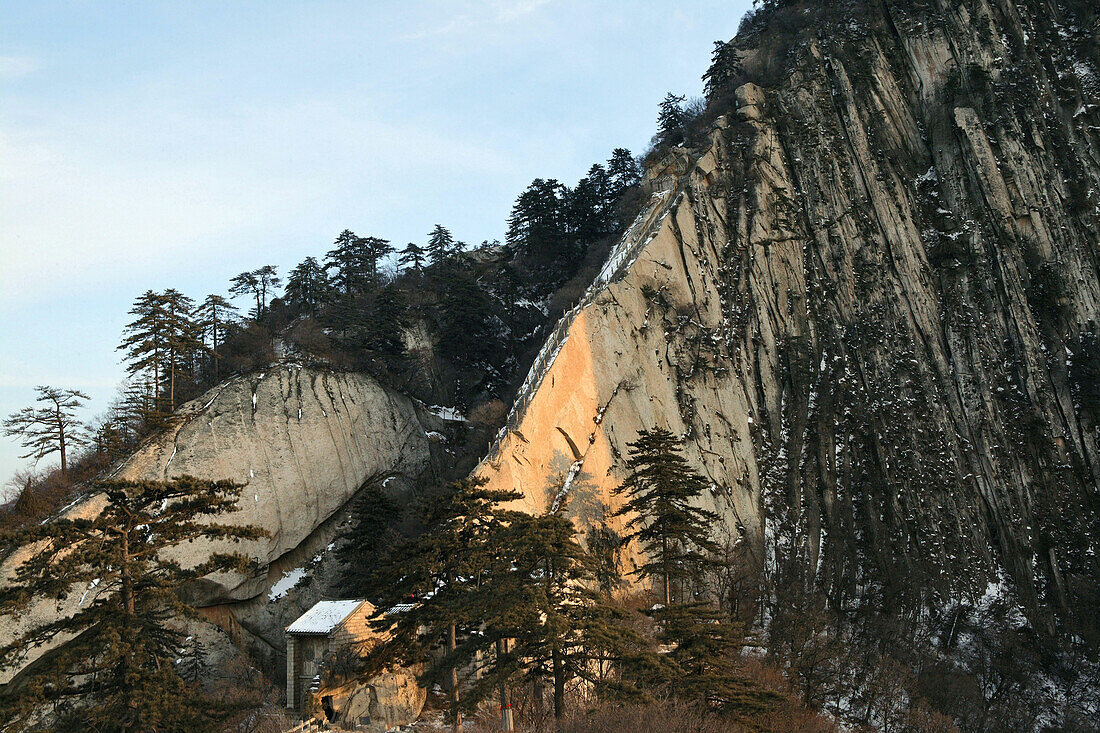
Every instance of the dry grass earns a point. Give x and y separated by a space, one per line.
670 716
40 494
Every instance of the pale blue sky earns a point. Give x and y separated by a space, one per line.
166 144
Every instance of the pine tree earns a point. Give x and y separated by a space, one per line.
383 328
674 534
52 428
213 316
345 263
441 244
110 440
116 671
724 71
371 324
257 283
372 542
604 544
538 223
375 249
671 119
163 342
435 577
307 286
587 209
623 171
464 316
192 660
702 649
144 341
137 404
676 538
412 257
354 262
268 281
539 607
182 342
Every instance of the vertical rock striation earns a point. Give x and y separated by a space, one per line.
870 306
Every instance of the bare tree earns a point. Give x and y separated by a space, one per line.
51 428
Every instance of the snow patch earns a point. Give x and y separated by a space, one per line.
91 587
283 585
447 413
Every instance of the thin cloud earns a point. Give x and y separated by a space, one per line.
13 67
511 9
498 12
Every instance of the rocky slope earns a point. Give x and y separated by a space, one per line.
305 441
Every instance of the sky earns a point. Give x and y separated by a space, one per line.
165 144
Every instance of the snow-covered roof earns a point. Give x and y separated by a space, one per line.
323 617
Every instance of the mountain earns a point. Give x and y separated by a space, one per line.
868 298
864 284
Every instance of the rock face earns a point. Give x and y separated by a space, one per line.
305 441
390 700
617 365
869 303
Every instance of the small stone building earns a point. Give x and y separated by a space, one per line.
325 628
392 698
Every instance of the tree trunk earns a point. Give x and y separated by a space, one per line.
452 644
506 723
559 684
539 693
156 379
61 441
668 578
127 593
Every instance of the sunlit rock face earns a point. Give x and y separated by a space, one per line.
866 303
647 348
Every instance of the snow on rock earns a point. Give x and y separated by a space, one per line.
284 584
447 413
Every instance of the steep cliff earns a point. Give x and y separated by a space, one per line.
870 305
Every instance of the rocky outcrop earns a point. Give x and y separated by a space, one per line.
867 306
304 441
387 701
867 298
